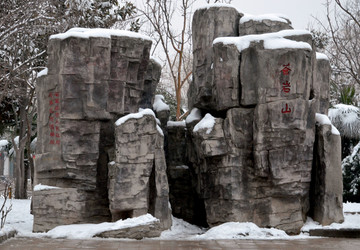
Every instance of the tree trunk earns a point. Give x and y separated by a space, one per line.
21 178
178 104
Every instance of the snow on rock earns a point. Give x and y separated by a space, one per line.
139 115
159 104
156 60
40 187
259 18
238 230
274 40
324 120
21 220
207 123
106 33
321 56
195 115
176 124
43 72
85 231
181 229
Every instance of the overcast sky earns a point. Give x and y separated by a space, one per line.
299 11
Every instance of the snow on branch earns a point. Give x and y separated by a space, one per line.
346 118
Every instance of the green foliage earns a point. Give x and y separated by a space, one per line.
351 176
344 94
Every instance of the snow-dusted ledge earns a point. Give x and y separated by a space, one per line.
41 187
43 72
105 33
259 18
176 124
194 115
85 231
274 40
324 120
321 56
207 123
159 104
139 115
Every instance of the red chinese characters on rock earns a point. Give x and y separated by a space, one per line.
286 86
54 115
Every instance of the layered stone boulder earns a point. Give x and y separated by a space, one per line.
137 178
253 150
208 24
261 24
326 192
94 76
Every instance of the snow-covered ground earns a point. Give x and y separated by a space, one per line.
21 220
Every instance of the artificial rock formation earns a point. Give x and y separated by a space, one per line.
326 191
253 153
94 77
137 178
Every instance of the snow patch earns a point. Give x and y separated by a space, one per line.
156 60
139 115
3 143
321 56
207 123
350 221
195 115
84 231
159 103
350 207
238 230
324 120
259 18
105 33
43 72
274 40
176 124
40 187
180 229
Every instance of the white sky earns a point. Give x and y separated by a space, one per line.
299 11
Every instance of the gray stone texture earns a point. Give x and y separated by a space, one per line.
256 163
91 82
138 232
321 90
208 24
327 190
137 179
185 201
265 25
152 77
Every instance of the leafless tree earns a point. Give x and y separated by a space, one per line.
219 1
25 27
162 16
343 27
